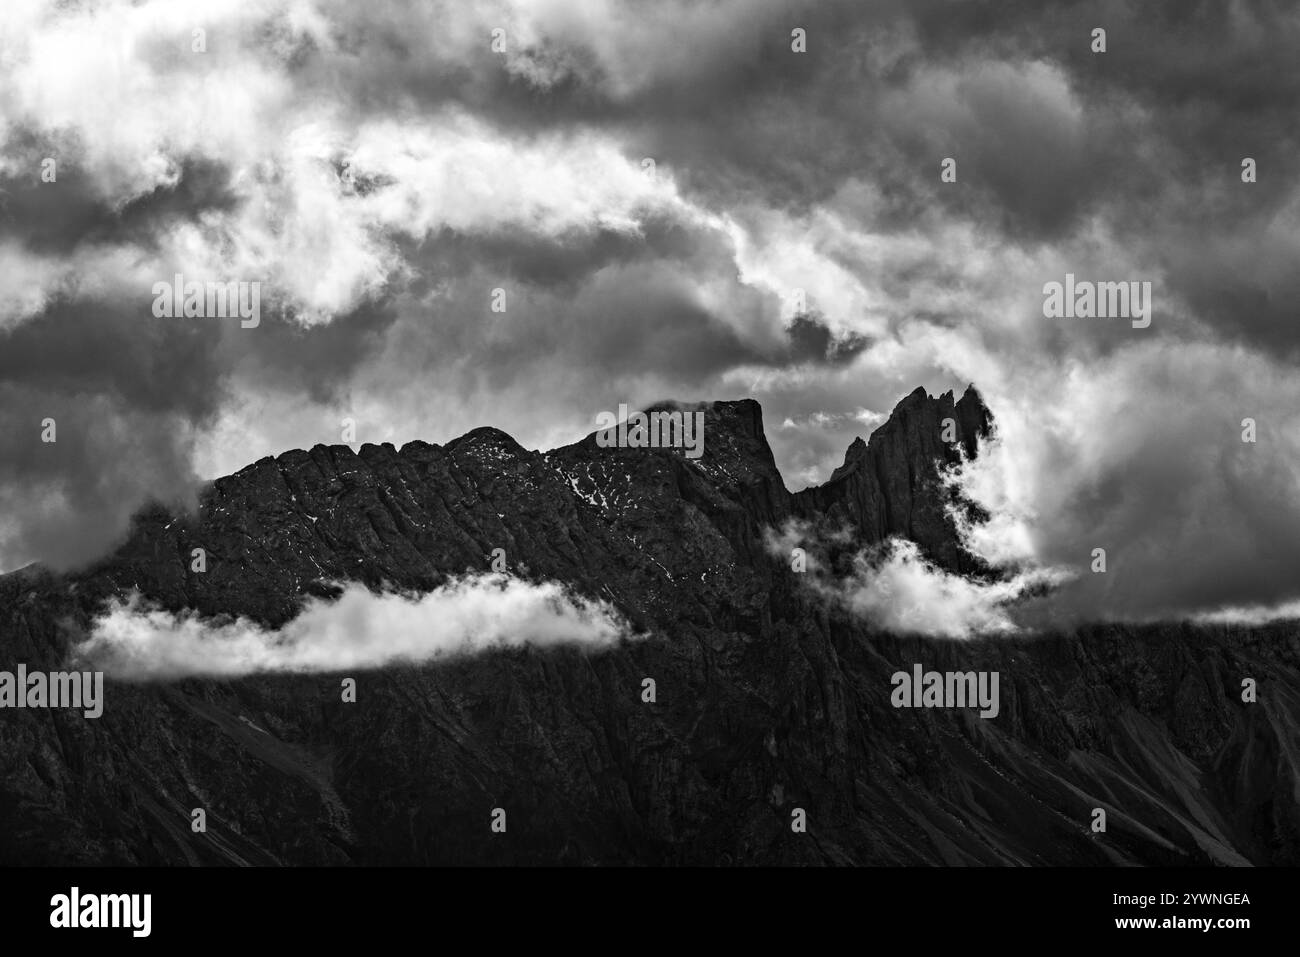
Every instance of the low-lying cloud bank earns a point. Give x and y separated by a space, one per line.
893 586
359 631
896 588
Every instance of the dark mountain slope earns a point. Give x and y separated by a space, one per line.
767 698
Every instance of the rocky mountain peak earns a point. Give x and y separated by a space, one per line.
891 484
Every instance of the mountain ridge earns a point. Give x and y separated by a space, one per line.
769 697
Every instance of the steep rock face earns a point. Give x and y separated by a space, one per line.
890 486
768 699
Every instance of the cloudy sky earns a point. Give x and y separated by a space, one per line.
654 185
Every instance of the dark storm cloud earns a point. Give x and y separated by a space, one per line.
1164 116
811 340
1149 135
57 218
126 393
316 363
621 322
1193 519
596 306
68 501
564 261
120 351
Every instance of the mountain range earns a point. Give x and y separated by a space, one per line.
770 698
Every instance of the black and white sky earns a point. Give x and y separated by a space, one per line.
380 169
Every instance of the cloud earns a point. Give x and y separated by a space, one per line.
380 168
895 588
898 590
1251 615
358 631
1142 454
319 190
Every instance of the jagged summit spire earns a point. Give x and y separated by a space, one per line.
889 484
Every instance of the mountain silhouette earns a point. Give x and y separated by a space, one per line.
768 698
